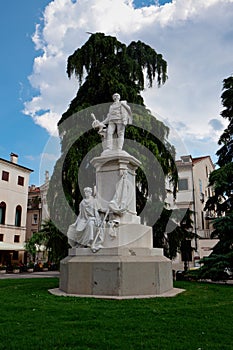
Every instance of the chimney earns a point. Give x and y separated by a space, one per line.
46 176
14 158
186 159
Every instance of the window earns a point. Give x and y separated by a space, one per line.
200 186
1 237
5 175
183 184
15 255
2 213
18 214
20 180
35 219
17 238
202 220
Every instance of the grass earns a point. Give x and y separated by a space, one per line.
31 318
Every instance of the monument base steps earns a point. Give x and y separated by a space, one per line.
118 275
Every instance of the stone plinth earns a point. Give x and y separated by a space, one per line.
126 267
125 272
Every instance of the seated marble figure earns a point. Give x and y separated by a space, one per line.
83 232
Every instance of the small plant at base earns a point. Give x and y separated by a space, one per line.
16 267
45 265
30 265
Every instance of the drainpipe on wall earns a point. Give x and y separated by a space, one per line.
194 209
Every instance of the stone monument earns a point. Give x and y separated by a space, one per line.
112 253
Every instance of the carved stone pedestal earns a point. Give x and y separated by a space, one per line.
130 273
132 269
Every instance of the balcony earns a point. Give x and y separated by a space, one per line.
204 234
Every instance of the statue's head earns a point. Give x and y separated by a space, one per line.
87 190
116 97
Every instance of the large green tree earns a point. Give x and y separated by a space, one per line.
103 66
55 242
182 230
221 202
110 66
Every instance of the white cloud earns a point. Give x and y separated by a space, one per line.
194 36
49 156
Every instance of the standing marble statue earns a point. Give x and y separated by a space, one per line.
83 232
118 117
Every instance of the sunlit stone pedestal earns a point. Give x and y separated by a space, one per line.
133 269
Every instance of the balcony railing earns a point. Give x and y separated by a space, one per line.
206 234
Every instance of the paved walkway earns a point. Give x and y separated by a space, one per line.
49 274
42 274
171 293
229 282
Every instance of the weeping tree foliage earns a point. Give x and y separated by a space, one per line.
221 202
110 66
103 66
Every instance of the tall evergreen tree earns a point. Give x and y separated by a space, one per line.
225 153
109 66
103 66
221 202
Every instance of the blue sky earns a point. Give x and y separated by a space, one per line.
19 133
194 36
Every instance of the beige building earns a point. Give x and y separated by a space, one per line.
193 189
37 213
14 180
44 205
193 192
33 211
37 208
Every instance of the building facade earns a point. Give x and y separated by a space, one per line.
193 192
14 180
37 214
37 207
34 216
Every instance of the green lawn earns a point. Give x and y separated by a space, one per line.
31 318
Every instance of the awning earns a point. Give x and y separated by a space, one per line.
11 246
